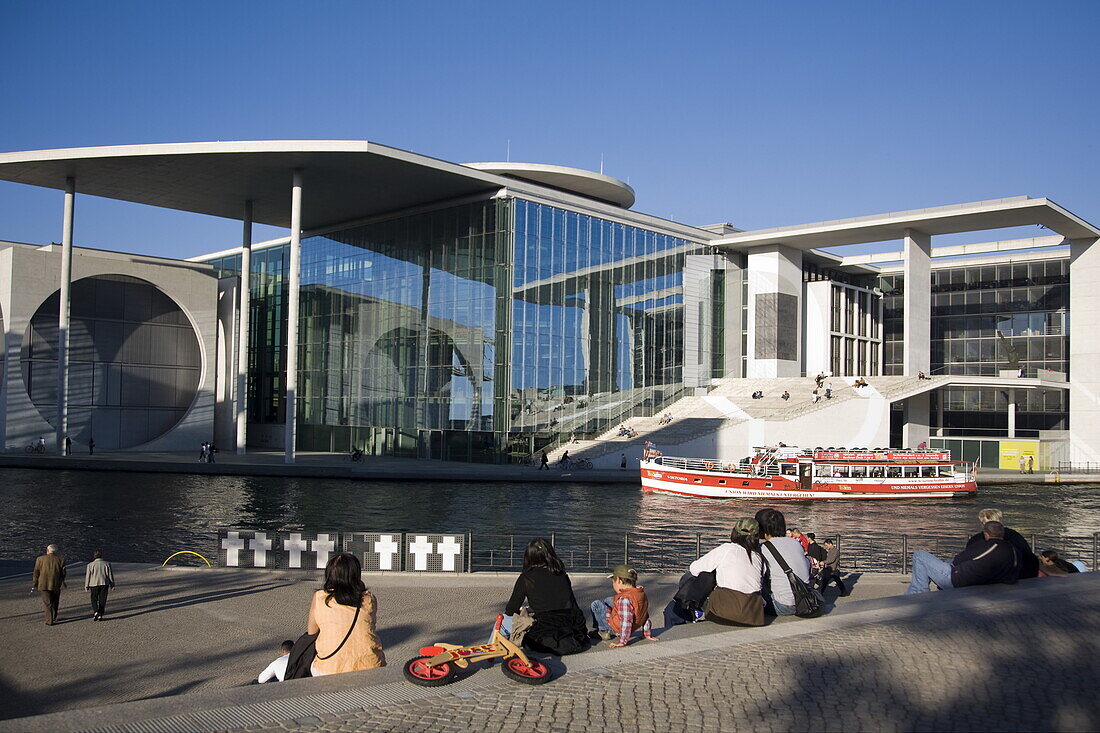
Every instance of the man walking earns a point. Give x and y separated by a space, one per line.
48 580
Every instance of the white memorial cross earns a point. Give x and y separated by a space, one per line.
420 550
387 548
295 546
449 549
323 546
232 544
260 545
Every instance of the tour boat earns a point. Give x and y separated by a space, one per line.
785 472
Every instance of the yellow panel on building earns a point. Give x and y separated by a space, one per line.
1013 450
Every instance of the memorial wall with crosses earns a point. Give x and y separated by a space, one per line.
377 551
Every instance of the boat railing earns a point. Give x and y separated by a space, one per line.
698 464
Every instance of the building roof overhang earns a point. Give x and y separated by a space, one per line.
994 214
573 180
342 180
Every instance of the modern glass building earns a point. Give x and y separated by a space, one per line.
473 332
481 312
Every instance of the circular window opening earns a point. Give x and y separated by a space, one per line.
134 361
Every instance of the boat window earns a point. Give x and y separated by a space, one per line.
789 469
893 471
744 483
859 471
698 480
928 471
877 471
910 471
721 482
840 472
947 471
767 484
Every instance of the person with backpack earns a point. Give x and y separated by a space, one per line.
739 576
778 549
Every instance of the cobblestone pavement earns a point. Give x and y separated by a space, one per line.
1014 666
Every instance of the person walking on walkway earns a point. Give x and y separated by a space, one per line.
91 446
622 461
98 579
1023 463
545 462
1031 464
48 579
68 446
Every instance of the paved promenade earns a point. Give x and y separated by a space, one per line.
998 658
384 468
317 465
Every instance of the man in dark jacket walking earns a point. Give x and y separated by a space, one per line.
993 560
48 579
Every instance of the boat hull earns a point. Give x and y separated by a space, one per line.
719 485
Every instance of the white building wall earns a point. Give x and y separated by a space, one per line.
28 276
775 309
816 307
1084 350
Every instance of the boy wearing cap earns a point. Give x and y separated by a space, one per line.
625 612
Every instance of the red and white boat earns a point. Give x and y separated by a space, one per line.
796 473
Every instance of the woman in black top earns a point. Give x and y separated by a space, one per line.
559 624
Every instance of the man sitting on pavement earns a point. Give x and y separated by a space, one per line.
1029 561
277 669
830 568
992 560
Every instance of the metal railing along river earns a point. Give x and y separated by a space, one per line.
675 551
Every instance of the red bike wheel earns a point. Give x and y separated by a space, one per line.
535 673
420 673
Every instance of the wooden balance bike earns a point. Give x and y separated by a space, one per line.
439 664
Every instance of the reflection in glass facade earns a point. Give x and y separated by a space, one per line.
476 332
981 316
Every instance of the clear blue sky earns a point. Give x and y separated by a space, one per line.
762 114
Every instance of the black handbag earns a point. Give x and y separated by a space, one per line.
808 603
305 651
693 592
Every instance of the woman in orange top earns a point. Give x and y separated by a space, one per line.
344 603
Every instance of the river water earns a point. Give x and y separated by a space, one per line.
141 517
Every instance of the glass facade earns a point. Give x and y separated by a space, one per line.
982 317
476 332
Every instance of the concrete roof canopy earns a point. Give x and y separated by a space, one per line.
343 180
993 214
573 180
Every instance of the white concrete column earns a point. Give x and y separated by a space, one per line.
62 422
1084 349
293 287
915 430
775 311
241 396
1012 413
917 317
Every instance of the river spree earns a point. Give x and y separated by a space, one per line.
146 517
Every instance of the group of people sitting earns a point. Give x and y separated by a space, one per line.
740 582
627 432
758 395
665 419
997 554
